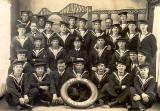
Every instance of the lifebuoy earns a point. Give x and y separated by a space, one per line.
84 104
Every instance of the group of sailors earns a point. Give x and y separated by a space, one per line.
118 60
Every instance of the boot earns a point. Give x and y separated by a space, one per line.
113 103
133 109
46 103
19 108
142 107
28 106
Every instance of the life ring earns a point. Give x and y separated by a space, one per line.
84 104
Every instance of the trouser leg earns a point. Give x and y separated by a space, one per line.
46 95
73 93
104 95
110 90
152 97
124 96
134 104
34 92
11 100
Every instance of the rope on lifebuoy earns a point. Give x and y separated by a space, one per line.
90 101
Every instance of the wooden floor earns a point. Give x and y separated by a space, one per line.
5 107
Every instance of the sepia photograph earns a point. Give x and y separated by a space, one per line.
79 55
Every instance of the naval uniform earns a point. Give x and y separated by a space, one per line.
54 55
36 93
97 55
124 29
18 43
48 37
117 56
78 91
114 89
100 81
33 35
86 38
76 53
146 86
132 41
27 68
40 29
16 88
66 40
38 56
26 24
73 31
149 43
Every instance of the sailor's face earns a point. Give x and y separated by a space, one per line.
33 27
72 22
132 27
25 17
37 43
21 31
141 58
144 72
55 43
121 44
63 28
133 56
18 69
143 27
101 67
115 30
41 22
108 23
82 24
79 66
97 26
123 18
40 70
61 66
21 57
121 67
48 26
100 42
77 44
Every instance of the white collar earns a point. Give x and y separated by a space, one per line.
61 72
55 52
40 79
94 33
101 51
19 83
49 34
144 36
62 36
59 49
37 53
117 76
147 79
77 49
21 41
81 73
98 75
24 23
85 32
118 52
130 37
